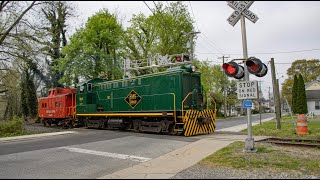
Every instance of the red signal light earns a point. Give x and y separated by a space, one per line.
178 58
233 69
256 67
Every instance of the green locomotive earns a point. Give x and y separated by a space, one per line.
171 102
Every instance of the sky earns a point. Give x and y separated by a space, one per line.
286 31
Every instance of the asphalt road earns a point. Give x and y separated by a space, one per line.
90 153
229 122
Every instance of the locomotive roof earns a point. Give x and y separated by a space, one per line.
173 70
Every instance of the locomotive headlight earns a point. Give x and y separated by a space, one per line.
189 68
193 68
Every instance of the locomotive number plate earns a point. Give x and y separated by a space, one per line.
133 99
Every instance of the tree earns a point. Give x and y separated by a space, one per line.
93 51
213 81
301 104
231 90
163 32
10 10
55 15
309 69
294 94
10 100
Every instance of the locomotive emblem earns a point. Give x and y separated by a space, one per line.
133 99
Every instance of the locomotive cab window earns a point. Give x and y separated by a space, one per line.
89 87
81 89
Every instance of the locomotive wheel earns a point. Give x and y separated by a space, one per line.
70 124
171 130
136 126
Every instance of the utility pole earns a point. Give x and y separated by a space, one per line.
275 94
279 100
269 99
259 97
224 89
192 33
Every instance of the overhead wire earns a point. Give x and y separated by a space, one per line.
203 33
155 15
159 12
283 52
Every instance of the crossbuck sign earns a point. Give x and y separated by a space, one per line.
241 7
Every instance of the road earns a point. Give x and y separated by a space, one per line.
229 122
89 153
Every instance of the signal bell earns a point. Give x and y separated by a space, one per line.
256 67
233 69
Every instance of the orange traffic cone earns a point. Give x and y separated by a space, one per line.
302 126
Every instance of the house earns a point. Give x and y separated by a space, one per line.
313 97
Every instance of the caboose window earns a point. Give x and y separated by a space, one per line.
59 91
89 87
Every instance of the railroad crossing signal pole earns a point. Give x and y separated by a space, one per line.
242 9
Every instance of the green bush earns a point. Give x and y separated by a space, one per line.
219 114
12 127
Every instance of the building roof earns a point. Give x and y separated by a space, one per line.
314 85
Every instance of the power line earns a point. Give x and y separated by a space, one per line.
194 16
202 32
155 15
272 52
160 13
211 46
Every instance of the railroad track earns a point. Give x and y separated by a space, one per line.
293 142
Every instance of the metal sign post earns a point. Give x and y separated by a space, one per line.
241 11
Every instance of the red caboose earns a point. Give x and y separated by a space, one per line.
59 107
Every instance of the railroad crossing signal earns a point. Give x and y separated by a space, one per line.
241 11
241 7
254 66
182 59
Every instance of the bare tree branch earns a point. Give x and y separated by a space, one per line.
16 22
2 91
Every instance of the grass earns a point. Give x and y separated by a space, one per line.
270 157
287 129
267 157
